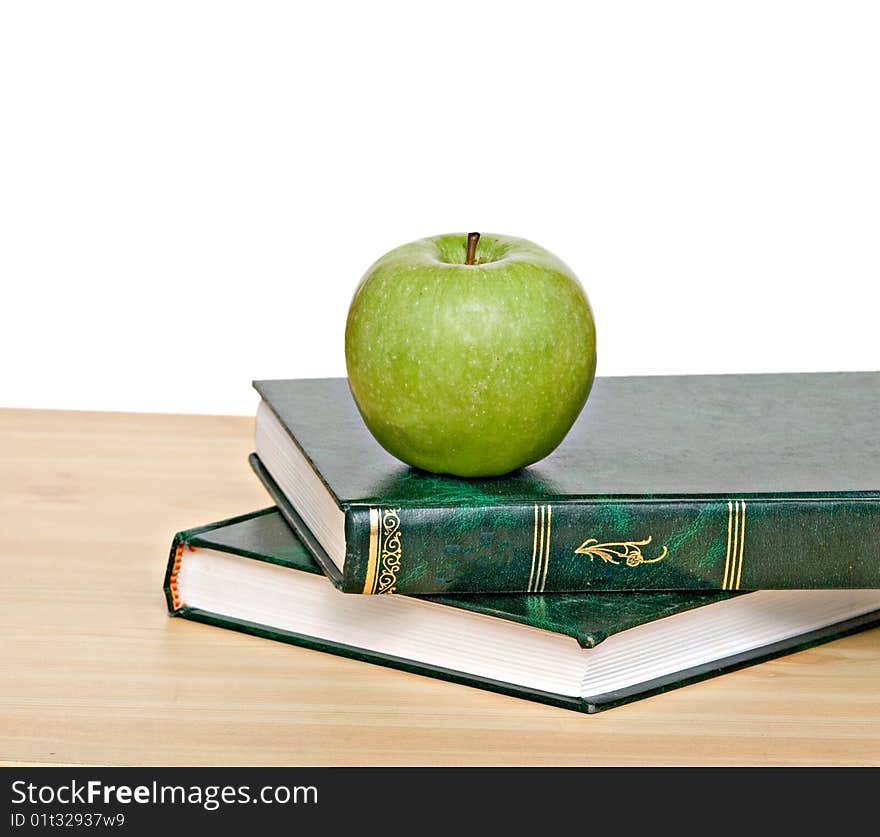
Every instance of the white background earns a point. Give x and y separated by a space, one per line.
189 192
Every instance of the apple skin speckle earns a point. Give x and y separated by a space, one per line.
471 370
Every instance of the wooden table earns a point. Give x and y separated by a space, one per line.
93 671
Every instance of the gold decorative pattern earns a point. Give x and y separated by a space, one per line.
616 551
389 551
736 538
383 558
540 549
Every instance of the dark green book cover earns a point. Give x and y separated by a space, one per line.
707 482
590 619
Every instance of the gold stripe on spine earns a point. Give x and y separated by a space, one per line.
547 550
389 551
742 540
541 545
727 555
372 556
733 552
534 550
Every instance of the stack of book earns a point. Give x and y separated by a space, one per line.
687 526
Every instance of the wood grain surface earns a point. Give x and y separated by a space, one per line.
93 671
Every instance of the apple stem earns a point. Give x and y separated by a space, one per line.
472 240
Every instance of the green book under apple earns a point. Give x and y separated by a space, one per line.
699 482
583 651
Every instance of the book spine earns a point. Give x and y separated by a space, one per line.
594 545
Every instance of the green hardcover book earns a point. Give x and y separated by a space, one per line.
585 651
709 482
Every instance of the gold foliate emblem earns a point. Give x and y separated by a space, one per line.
616 552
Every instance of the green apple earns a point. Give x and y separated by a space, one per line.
470 355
